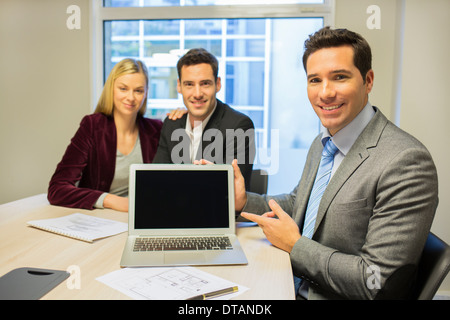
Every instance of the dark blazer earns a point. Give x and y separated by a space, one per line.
373 219
215 141
90 159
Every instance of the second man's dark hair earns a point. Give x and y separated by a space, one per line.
198 56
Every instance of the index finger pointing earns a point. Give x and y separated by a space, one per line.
253 217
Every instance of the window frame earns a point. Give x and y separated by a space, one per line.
100 14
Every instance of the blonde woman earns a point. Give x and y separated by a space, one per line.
93 172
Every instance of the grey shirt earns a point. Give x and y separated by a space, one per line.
119 185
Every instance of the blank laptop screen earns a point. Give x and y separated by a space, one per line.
181 199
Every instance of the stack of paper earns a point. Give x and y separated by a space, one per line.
81 226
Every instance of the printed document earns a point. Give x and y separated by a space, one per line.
166 283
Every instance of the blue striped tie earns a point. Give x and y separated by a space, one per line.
320 184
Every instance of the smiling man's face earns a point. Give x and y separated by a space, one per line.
336 89
198 87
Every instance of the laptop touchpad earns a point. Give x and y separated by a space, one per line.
184 257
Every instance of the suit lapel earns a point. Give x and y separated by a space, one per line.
351 162
169 128
213 123
354 158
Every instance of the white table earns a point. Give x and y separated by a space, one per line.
268 274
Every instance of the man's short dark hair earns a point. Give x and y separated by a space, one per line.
198 56
329 38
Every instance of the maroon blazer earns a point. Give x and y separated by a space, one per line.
90 159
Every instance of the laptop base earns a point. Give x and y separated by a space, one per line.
132 258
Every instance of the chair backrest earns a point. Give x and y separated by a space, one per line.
434 266
258 182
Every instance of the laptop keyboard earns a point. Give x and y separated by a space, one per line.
182 243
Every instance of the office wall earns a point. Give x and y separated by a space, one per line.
410 60
424 109
45 87
44 90
425 84
353 15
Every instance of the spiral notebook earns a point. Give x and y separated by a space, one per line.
81 226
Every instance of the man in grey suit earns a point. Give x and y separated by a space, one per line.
378 207
210 130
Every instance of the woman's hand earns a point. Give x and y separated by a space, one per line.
176 113
114 202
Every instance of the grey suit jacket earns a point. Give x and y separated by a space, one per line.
373 219
228 135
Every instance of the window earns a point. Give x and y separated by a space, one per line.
259 44
167 3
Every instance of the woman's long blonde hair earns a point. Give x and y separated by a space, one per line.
105 104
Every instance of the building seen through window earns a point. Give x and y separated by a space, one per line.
259 65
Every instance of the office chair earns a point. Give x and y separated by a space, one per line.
434 266
258 182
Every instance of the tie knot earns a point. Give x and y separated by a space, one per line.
330 149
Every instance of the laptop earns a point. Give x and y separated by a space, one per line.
181 214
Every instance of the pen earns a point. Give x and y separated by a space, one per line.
214 294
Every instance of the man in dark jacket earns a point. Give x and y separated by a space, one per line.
210 130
